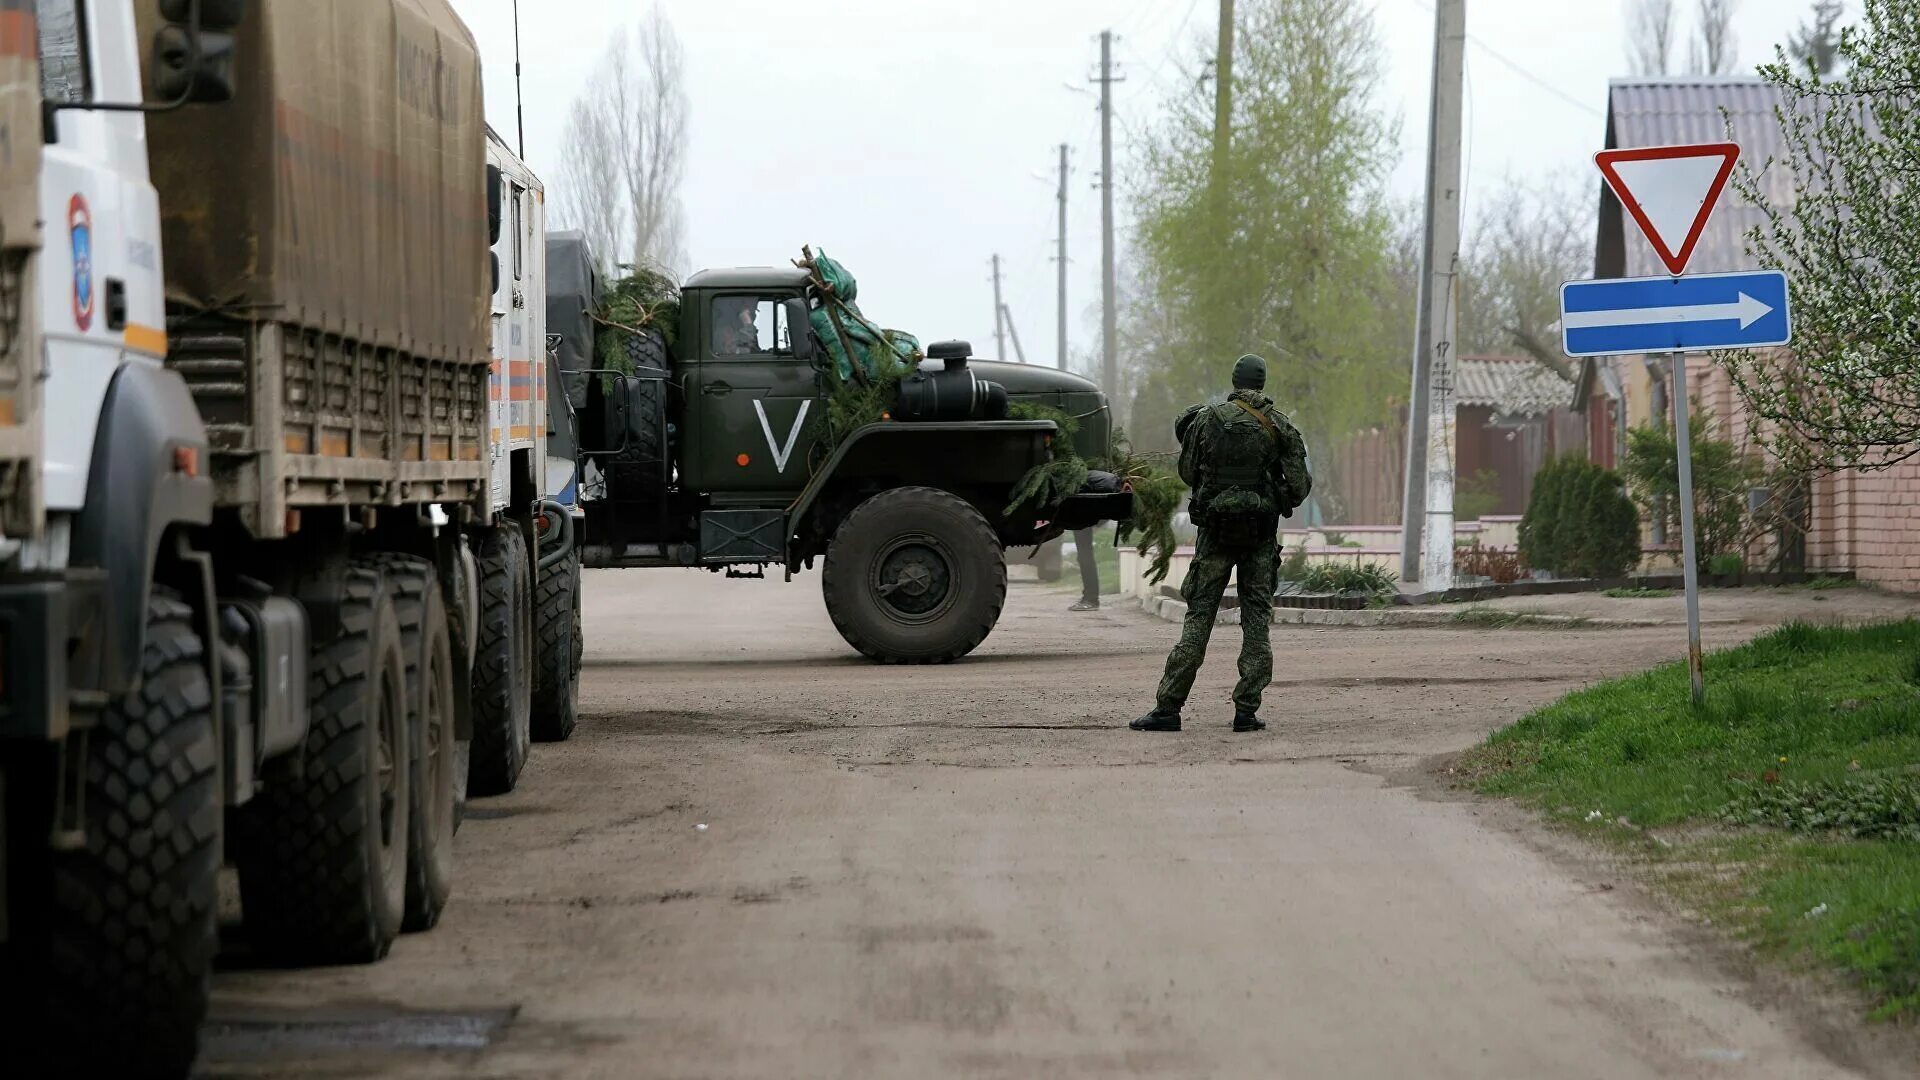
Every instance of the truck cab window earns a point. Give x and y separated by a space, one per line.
63 52
750 325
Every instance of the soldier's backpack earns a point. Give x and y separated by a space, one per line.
1246 466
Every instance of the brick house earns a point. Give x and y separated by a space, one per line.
1865 522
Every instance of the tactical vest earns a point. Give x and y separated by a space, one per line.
1234 472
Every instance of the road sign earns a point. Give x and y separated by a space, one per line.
1674 314
1670 192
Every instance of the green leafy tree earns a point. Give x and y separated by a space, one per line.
1291 254
1722 476
1848 394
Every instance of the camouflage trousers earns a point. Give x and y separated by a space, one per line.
1206 581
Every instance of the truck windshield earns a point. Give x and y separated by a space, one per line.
63 54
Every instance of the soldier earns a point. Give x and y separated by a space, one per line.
1247 467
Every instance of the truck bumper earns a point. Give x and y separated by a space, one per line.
34 620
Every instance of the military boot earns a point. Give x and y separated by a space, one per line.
1246 720
1157 720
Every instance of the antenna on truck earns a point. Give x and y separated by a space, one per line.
519 110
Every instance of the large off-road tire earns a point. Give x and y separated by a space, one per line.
425 641
322 850
503 666
915 576
557 647
107 974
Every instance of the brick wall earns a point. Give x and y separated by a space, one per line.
1867 522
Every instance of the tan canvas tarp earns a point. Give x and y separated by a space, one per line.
344 186
19 126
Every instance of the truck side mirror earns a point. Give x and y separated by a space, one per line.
799 329
493 205
193 53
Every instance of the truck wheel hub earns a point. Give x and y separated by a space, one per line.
913 578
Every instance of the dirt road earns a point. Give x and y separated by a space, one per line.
761 857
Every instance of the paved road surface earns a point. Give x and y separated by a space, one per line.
975 870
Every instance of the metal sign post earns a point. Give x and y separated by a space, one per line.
1670 192
1689 571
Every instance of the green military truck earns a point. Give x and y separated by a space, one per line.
717 453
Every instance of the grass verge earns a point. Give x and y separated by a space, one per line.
1638 594
1786 808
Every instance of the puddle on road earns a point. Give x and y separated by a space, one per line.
254 1035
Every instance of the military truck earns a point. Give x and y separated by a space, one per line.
272 533
715 453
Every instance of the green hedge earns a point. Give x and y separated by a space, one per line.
1580 522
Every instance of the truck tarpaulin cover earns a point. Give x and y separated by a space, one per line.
573 294
344 187
19 126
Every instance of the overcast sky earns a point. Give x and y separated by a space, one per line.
914 140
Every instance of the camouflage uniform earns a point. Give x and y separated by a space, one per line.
1247 466
1206 581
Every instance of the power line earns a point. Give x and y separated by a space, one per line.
1515 67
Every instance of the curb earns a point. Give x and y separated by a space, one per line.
1173 611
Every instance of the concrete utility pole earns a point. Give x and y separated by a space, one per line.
1109 353
1426 545
999 316
1222 99
1013 332
1061 258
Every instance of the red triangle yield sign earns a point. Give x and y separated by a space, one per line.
1670 191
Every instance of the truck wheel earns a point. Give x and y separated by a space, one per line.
915 576
108 972
635 472
502 668
557 647
323 850
425 641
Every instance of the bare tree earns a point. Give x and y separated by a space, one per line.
625 149
1529 239
1714 51
1650 31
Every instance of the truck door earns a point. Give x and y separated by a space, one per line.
759 408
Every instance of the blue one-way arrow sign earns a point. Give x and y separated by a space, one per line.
1674 314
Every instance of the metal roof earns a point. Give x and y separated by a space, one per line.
748 277
1512 385
1670 110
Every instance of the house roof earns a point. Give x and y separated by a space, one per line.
1665 111
1512 385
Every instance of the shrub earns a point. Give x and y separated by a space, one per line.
1580 522
1342 578
1722 476
1503 567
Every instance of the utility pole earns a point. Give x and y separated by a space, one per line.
1109 354
1013 332
1061 258
1222 100
999 316
1426 542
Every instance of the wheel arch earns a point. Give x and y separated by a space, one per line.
147 478
970 459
